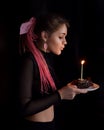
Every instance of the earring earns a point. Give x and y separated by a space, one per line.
45 47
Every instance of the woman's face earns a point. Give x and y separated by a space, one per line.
57 40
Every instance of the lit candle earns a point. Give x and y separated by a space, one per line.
82 62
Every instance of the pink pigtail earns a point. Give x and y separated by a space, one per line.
45 76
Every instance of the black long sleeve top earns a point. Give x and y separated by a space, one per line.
29 98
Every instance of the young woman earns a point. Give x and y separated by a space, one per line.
37 84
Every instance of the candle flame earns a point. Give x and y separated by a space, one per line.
83 61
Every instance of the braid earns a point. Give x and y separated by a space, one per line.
45 75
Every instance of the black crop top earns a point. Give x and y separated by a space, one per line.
29 98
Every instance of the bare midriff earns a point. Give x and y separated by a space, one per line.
46 115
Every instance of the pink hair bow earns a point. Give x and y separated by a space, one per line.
27 26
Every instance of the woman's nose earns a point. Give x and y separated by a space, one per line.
65 42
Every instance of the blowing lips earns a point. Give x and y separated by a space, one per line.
62 48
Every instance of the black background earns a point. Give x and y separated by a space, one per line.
85 40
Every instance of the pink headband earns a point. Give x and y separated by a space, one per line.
25 27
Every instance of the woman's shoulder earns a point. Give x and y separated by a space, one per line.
27 56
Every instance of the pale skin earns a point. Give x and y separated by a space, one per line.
56 43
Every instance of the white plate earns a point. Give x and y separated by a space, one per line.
92 88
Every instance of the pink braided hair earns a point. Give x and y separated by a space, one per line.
45 76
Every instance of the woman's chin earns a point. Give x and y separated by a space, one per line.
58 53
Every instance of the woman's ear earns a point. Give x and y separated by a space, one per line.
44 35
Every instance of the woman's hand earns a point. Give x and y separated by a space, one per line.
69 91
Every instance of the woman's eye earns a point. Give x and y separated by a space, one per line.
60 37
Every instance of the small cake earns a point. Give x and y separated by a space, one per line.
82 83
